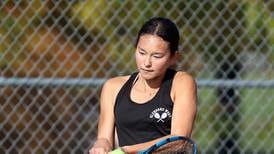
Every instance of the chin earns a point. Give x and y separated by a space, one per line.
147 76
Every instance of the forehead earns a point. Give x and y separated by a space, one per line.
153 43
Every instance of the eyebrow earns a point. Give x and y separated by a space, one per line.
142 49
146 51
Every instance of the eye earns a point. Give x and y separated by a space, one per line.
141 53
158 56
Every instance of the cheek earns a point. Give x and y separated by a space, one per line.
163 63
138 59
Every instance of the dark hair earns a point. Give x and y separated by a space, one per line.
163 28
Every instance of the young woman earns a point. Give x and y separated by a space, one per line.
152 104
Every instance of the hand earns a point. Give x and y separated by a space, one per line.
97 150
101 146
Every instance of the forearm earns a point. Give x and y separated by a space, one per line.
142 146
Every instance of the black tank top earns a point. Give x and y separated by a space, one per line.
137 123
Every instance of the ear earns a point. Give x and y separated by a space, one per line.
174 58
177 56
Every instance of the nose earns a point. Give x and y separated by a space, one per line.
148 61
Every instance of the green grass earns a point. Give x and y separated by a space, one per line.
257 118
256 124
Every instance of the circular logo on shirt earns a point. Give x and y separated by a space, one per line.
160 114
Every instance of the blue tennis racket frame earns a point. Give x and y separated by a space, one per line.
167 140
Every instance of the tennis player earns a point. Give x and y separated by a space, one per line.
155 102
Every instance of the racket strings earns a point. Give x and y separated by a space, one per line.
175 147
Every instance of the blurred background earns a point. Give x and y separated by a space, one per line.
55 55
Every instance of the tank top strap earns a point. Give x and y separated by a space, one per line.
167 81
128 85
132 77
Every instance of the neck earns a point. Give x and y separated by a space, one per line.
150 85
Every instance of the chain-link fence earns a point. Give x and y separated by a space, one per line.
55 55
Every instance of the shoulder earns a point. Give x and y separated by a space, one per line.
116 82
183 80
181 76
111 89
113 85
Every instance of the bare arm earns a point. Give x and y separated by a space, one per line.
184 111
104 142
185 101
138 147
105 137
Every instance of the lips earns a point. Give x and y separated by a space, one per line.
146 70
